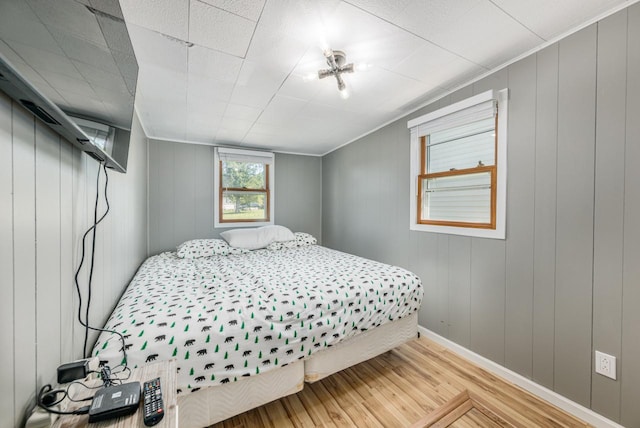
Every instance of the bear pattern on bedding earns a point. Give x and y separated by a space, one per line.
232 316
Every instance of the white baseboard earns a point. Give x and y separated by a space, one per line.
540 391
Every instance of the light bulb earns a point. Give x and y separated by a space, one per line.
310 76
344 93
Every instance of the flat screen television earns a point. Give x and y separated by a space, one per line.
71 63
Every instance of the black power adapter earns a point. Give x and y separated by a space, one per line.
72 371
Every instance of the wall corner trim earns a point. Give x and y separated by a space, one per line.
540 391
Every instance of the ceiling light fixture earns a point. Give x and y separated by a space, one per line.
336 61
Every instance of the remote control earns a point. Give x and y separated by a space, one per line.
153 405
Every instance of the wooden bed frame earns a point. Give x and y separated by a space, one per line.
217 403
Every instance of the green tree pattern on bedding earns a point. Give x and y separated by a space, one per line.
229 316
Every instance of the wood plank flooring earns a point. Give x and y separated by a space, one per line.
401 387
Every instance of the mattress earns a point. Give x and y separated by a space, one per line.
233 316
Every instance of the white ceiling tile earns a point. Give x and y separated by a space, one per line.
97 77
82 50
436 66
218 29
281 111
487 36
68 85
566 14
210 90
256 85
309 22
211 64
19 23
169 17
275 49
202 127
386 9
232 133
249 9
237 111
45 61
69 17
366 39
431 18
159 50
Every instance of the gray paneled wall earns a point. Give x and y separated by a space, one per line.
181 194
47 191
541 301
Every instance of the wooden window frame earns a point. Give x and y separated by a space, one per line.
424 175
266 191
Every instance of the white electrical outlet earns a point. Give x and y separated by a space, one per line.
606 365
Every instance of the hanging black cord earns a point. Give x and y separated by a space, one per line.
85 323
93 258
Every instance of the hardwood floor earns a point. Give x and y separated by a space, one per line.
400 388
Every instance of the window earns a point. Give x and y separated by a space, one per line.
458 180
244 187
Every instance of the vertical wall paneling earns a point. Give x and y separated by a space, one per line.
66 251
574 242
24 325
97 280
181 194
203 198
426 266
442 285
296 179
6 259
161 200
630 357
80 215
498 80
487 312
520 221
47 223
565 280
183 200
47 191
544 240
609 205
459 289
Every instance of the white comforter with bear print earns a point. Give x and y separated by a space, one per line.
229 316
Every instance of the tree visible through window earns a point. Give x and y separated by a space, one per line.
243 187
244 191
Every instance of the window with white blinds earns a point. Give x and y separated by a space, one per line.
458 164
244 187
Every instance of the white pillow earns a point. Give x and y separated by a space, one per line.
255 238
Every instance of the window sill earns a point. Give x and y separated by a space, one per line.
463 231
225 225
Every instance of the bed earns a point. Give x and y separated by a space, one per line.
247 327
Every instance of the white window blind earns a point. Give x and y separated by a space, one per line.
248 156
474 113
462 147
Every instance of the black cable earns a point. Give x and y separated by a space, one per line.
46 389
77 284
93 258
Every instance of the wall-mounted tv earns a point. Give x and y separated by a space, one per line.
71 63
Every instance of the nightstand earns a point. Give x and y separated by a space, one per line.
165 370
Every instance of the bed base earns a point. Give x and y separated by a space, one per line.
360 348
217 403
